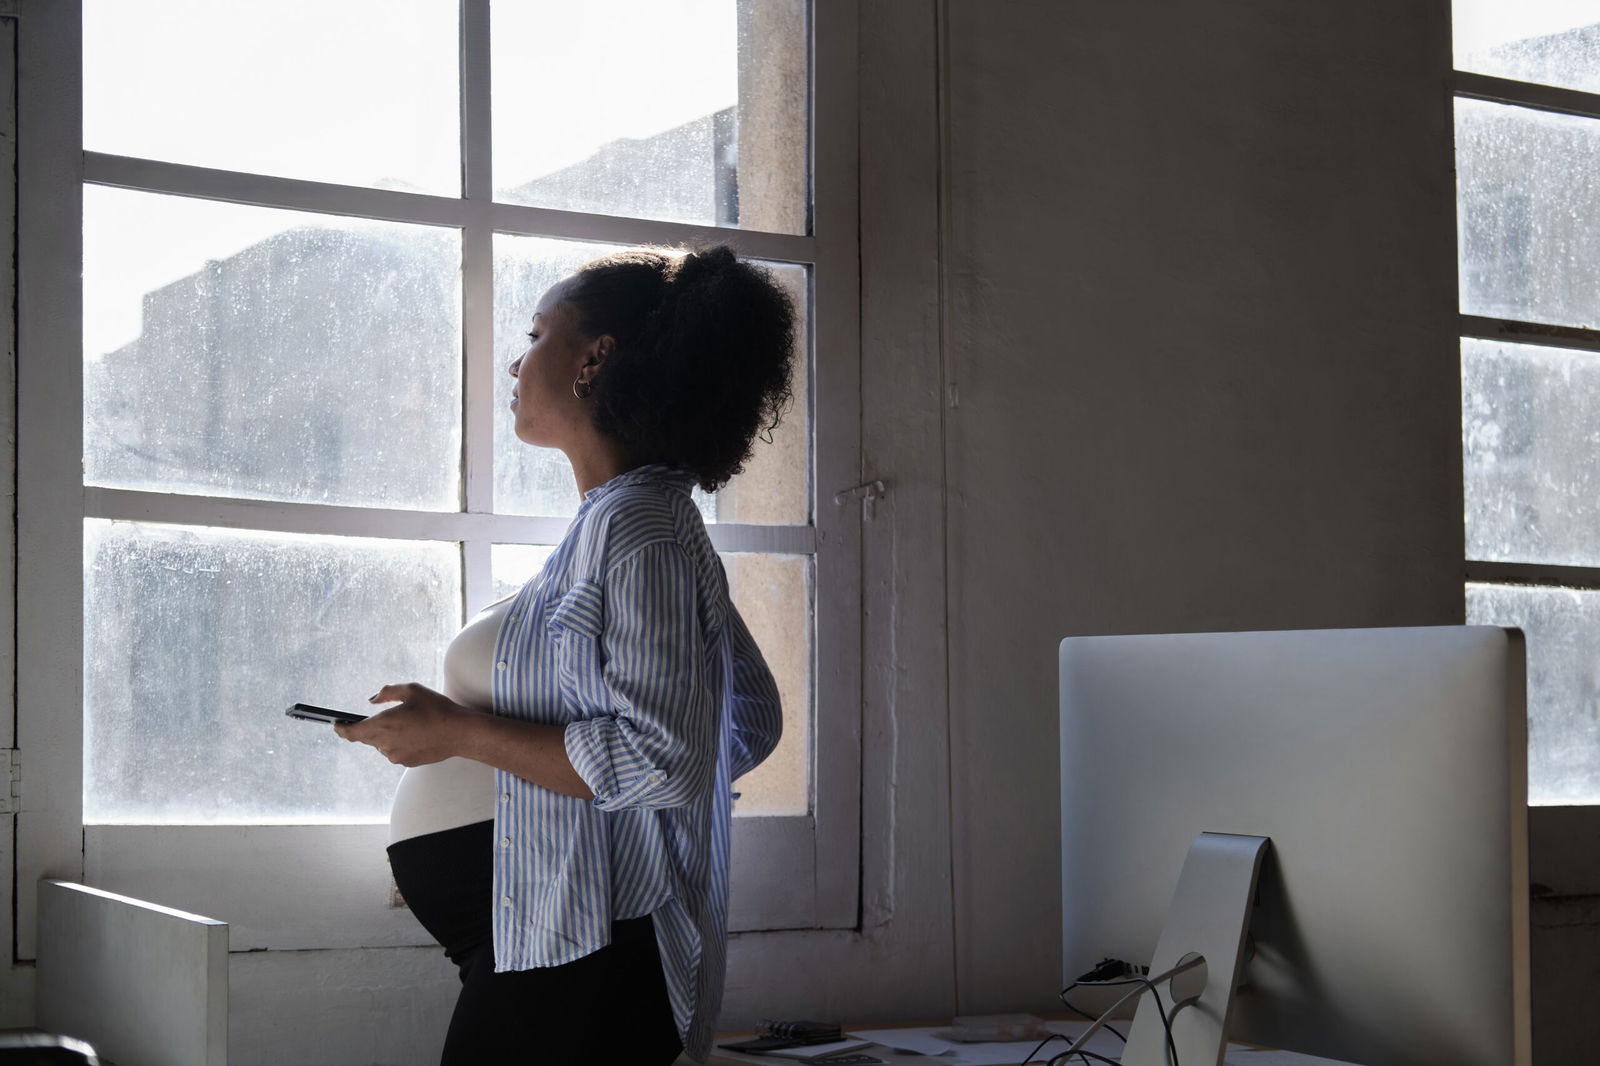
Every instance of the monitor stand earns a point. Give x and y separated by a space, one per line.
1209 916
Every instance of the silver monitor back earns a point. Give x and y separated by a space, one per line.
1389 769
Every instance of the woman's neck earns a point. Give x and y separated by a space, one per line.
597 461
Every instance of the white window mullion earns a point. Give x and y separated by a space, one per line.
1540 333
477 290
618 229
1527 94
477 576
476 157
477 260
275 516
298 194
266 190
480 364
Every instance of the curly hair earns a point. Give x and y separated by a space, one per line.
704 352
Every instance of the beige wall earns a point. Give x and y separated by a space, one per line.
1203 374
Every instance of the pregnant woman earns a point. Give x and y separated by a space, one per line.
562 827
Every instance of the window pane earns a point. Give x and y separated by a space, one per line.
1550 41
270 354
513 565
195 640
361 92
1563 635
775 487
774 594
1529 206
696 114
1530 429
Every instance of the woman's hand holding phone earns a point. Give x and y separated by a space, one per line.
423 728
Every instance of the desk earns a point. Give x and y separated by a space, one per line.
997 1055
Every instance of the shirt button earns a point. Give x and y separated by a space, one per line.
515 617
501 665
505 797
505 901
505 842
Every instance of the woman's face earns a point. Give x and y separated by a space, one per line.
543 403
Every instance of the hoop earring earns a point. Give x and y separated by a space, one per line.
588 389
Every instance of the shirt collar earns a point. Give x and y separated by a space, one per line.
655 473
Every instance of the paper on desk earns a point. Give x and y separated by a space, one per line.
791 1055
914 1040
818 1051
1242 1056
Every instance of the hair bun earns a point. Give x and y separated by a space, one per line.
700 266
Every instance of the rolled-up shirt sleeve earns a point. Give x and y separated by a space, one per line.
754 709
655 742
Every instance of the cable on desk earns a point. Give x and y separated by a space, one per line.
1080 1012
1046 1040
1107 969
1145 984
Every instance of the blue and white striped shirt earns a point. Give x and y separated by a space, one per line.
628 637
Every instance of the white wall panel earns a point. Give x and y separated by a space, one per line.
145 984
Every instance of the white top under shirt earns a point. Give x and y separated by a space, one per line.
455 792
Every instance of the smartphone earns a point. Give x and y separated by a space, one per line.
307 713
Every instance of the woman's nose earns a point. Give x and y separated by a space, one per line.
515 366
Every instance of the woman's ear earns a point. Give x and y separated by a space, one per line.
600 350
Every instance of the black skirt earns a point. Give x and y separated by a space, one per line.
610 1005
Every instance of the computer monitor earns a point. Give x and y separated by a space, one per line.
1388 769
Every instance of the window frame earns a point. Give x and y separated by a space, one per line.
788 872
1532 96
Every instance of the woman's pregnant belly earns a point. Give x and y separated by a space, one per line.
440 796
455 792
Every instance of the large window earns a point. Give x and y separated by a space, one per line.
312 236
1528 166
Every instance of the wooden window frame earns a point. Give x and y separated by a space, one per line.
795 872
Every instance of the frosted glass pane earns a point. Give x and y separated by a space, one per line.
514 565
270 354
775 487
359 92
195 640
696 113
1556 42
1563 636
1530 431
1528 186
774 594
